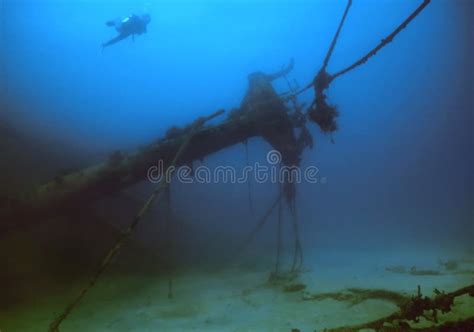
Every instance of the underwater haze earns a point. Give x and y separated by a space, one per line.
393 207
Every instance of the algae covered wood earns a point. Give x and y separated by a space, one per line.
67 193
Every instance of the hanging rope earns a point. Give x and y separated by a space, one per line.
322 80
336 36
320 111
298 250
384 41
54 326
366 57
279 235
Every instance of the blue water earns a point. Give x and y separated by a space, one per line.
399 174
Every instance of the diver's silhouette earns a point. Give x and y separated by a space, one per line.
129 26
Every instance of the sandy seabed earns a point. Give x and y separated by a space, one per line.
241 299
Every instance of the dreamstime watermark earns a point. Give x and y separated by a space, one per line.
273 171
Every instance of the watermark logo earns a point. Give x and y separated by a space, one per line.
272 171
274 157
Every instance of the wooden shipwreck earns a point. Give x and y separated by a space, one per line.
262 113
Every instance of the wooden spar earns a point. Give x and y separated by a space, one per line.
70 192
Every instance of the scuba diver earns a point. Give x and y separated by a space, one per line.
129 26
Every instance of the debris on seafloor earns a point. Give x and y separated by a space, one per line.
413 308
